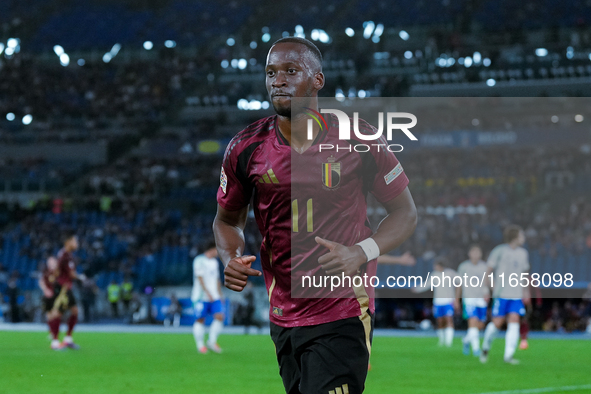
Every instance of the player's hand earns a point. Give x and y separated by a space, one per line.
340 258
407 259
237 272
48 293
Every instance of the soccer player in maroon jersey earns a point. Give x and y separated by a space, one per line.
322 344
46 283
62 297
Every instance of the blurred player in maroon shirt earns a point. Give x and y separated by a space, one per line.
322 344
46 283
56 284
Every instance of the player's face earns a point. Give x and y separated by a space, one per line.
521 238
73 243
51 263
290 72
475 254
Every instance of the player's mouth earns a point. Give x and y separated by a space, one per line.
281 95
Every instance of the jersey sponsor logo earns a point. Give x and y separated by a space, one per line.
223 180
277 311
269 177
396 171
331 173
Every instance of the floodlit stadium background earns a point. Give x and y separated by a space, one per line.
114 116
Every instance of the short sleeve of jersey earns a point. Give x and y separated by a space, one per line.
493 259
390 179
462 269
234 191
198 266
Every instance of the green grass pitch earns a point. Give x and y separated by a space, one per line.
168 363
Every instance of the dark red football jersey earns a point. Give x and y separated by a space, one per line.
66 268
297 197
48 277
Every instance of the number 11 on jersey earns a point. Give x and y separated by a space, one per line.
309 216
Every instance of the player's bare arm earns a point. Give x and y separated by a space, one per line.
228 229
47 292
207 293
220 290
487 282
396 227
457 302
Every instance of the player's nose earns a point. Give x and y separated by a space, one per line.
280 80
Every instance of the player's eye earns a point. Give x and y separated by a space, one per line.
270 73
292 70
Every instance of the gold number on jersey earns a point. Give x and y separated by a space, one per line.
309 216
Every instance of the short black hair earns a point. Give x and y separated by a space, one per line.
209 244
442 261
67 235
309 44
511 232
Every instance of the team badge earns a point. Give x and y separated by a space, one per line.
331 173
223 180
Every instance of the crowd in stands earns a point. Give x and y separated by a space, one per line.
124 93
95 96
513 187
147 176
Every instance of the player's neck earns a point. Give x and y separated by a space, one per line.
295 131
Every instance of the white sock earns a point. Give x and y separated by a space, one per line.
511 339
449 336
215 330
199 334
68 339
474 338
489 335
441 336
468 337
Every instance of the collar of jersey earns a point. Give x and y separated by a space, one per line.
319 137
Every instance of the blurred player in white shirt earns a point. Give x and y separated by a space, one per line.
475 298
508 258
206 297
443 300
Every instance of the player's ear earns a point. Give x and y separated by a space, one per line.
319 80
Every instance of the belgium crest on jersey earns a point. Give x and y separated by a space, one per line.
331 173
